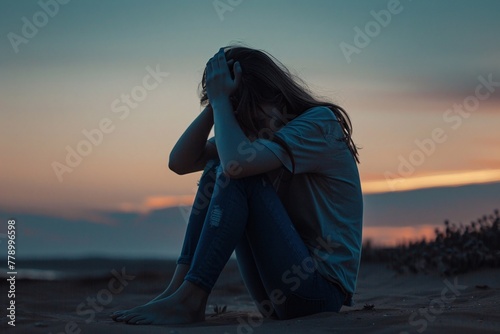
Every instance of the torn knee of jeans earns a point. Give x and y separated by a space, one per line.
215 216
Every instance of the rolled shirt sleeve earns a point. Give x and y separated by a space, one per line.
311 135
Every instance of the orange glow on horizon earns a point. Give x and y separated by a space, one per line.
450 179
394 235
157 202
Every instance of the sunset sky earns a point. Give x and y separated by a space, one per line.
422 88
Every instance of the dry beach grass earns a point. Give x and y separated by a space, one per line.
450 284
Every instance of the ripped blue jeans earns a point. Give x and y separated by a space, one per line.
246 215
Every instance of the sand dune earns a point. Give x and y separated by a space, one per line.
386 302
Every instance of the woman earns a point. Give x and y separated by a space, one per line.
280 186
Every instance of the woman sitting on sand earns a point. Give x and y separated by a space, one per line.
280 186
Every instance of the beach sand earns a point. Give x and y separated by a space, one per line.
402 303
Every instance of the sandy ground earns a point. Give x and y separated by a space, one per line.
409 303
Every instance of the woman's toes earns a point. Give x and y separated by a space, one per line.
123 317
119 318
116 314
130 315
134 320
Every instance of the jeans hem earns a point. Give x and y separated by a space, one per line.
199 282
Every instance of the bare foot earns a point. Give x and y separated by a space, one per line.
177 280
162 312
187 305
162 295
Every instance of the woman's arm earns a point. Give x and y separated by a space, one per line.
232 144
192 151
238 155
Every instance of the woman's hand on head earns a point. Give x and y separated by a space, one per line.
219 83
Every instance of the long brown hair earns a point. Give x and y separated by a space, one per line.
265 80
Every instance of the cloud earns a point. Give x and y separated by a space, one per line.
446 179
157 202
428 93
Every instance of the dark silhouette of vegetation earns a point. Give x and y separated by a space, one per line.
456 249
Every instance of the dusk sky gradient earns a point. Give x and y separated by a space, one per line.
404 86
